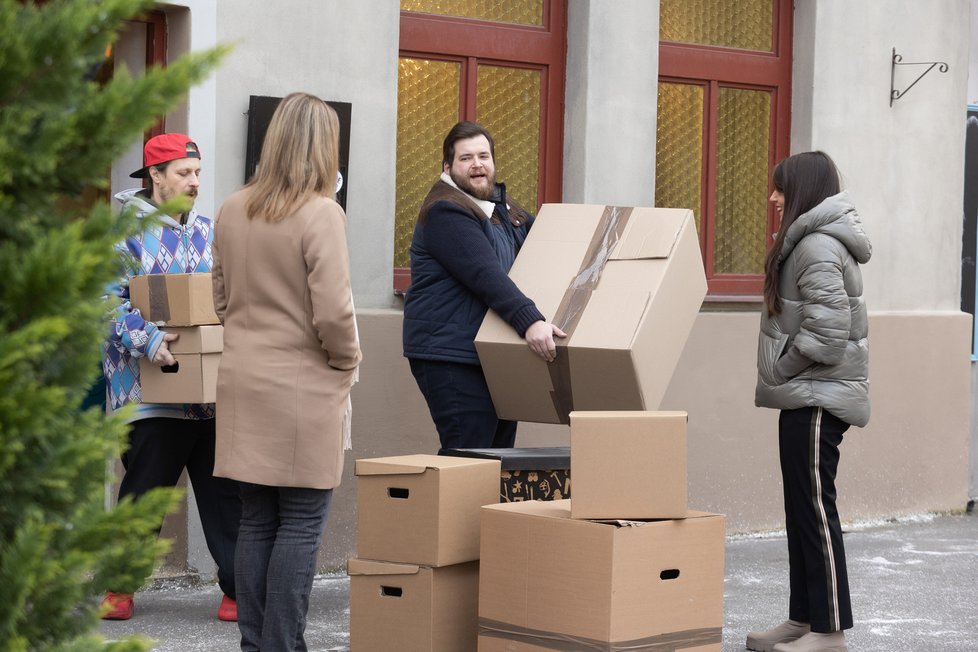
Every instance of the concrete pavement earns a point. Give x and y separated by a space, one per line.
914 586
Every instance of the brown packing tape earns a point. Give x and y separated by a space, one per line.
607 233
671 642
159 304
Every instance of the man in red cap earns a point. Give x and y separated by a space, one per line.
166 438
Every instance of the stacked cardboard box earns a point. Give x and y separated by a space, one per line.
174 299
624 564
193 377
414 585
182 304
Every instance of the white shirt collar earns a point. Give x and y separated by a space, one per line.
487 206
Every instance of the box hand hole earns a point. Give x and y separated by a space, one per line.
171 368
391 591
669 574
398 492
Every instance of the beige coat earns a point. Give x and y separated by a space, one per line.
282 291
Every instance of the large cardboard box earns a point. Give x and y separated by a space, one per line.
546 577
413 608
537 473
628 465
423 509
174 299
625 284
193 379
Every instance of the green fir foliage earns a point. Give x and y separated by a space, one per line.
59 134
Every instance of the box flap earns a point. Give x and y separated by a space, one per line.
609 415
197 339
619 522
369 567
652 233
412 464
406 464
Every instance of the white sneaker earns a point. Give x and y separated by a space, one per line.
764 641
815 642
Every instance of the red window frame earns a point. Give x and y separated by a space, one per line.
473 42
156 45
714 67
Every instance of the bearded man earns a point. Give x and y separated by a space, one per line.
166 438
465 240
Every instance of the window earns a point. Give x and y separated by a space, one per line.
500 63
723 120
141 45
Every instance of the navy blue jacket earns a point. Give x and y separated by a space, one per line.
459 265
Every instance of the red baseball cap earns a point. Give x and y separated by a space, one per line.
163 148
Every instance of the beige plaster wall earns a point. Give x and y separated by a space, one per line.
913 457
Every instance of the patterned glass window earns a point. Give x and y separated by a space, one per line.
743 152
722 124
746 24
427 107
679 148
522 12
508 104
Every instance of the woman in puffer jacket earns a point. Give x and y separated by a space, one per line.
813 365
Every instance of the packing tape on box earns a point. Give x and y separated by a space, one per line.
566 643
606 235
159 304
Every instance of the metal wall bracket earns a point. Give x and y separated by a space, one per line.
897 60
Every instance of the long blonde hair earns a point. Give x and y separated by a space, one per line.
299 158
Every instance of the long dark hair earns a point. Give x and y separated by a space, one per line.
805 180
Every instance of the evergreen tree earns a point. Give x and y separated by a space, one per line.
60 131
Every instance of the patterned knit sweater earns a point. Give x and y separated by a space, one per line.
164 247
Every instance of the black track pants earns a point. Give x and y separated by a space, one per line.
809 441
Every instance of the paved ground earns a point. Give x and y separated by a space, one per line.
914 588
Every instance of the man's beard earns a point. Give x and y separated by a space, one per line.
485 194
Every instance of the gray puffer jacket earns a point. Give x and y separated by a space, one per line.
815 352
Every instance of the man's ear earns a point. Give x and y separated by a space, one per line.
446 168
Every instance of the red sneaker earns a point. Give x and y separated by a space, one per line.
228 610
117 606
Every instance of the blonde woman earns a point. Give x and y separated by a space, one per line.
282 291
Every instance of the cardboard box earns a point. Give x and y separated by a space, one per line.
423 509
174 299
629 465
193 379
625 284
538 473
545 577
413 608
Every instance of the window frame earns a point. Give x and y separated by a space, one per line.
714 67
476 42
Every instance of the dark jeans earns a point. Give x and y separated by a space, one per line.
460 405
159 450
281 530
809 440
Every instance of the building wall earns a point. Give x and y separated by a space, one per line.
901 164
973 56
609 134
342 51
